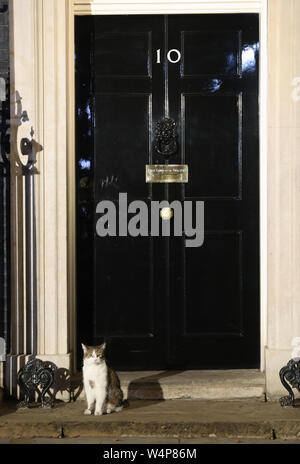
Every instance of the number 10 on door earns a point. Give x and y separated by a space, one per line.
173 56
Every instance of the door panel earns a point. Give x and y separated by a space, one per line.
124 284
215 97
115 284
124 121
218 280
210 52
212 144
123 54
158 303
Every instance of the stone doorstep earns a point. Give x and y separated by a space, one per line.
196 384
164 419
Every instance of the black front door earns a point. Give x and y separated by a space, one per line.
159 303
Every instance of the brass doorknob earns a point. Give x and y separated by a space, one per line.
166 213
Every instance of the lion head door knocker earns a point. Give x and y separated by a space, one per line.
165 142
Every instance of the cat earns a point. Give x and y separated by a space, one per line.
101 383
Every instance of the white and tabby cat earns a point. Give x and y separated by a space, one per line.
101 383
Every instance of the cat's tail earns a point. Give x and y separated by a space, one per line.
125 403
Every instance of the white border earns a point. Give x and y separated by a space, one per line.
82 7
114 7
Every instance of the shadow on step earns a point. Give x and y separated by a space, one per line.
148 389
71 384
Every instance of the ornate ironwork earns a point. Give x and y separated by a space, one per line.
26 147
166 138
290 378
35 374
24 154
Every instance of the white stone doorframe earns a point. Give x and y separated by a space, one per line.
42 72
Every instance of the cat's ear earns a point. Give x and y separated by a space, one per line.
84 347
103 346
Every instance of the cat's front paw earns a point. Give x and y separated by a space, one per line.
87 412
98 413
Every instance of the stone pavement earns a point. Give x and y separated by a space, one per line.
170 419
198 384
146 441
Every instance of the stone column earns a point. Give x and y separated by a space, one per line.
40 310
53 342
283 189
